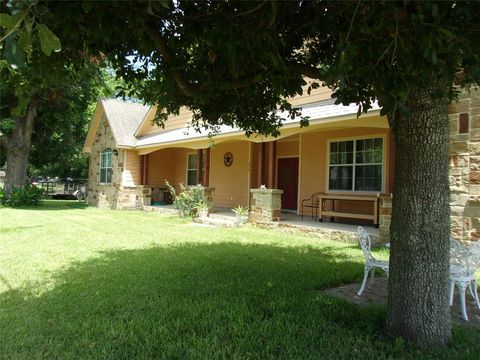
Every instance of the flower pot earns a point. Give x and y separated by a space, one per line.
242 219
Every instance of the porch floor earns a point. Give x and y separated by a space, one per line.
290 220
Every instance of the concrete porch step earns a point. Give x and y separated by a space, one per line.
222 216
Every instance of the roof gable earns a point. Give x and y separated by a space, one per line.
123 119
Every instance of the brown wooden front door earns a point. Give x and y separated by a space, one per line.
288 182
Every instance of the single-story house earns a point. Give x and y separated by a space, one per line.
338 155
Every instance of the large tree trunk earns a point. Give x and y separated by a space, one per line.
17 146
418 308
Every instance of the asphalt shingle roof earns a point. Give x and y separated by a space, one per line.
124 118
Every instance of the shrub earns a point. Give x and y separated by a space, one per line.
26 195
187 200
241 210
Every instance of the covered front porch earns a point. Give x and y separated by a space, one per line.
336 161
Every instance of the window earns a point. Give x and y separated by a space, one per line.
356 165
192 169
106 166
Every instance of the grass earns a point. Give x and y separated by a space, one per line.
80 282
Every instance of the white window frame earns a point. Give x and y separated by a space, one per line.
354 138
188 169
102 167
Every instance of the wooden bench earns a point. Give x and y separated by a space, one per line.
335 213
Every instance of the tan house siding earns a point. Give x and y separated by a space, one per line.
161 165
181 165
254 161
131 168
168 164
465 167
320 94
313 167
231 183
181 120
288 147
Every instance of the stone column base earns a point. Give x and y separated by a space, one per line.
265 204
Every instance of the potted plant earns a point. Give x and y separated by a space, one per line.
202 209
242 214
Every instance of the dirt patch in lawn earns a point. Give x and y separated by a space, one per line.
377 294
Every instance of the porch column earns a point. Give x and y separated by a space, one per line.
199 167
206 167
272 160
143 169
265 205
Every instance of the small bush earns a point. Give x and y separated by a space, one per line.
26 195
241 210
187 200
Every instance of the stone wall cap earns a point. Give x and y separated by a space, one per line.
385 195
267 191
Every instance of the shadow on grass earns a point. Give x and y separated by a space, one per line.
197 301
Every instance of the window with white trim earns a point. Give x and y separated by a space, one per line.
192 169
106 166
356 165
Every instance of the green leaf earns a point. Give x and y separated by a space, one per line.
48 40
10 21
13 53
25 40
28 25
165 4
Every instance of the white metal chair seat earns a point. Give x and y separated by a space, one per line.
370 262
463 265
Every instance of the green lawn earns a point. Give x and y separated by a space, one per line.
80 282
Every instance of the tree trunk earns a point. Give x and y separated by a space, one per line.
418 307
17 146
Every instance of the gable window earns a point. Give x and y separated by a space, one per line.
106 166
192 169
356 165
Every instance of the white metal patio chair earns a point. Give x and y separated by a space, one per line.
464 263
457 250
370 262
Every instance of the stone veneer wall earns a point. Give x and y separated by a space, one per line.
114 195
465 166
464 171
265 205
385 216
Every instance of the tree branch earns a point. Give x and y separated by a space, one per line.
13 29
169 57
251 10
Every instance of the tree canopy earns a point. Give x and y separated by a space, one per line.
216 57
